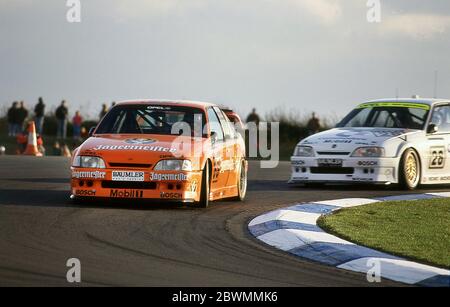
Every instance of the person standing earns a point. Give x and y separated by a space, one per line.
253 117
22 115
77 120
103 111
313 125
12 119
61 117
39 112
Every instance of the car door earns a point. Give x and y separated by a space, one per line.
439 145
219 178
229 160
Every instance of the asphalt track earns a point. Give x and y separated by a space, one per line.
152 245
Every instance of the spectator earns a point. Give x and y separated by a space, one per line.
313 125
253 117
103 111
77 120
22 114
12 119
57 149
61 116
39 112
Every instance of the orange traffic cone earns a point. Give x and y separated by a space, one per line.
32 149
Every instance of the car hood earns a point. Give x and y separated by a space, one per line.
139 149
348 139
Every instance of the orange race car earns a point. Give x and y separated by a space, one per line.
178 151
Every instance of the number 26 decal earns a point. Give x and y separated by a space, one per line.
437 157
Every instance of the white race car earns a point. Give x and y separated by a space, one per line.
404 141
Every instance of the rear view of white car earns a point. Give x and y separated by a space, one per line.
404 141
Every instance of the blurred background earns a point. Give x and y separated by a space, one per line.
286 58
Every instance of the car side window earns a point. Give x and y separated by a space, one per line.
214 125
225 122
441 118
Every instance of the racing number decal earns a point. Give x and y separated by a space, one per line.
437 157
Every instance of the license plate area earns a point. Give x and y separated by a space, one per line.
330 162
128 176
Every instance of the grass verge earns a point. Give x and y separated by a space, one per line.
417 230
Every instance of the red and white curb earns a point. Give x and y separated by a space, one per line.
294 230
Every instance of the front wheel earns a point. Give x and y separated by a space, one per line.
204 189
409 171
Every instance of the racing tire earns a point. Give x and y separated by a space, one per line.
410 170
204 189
242 183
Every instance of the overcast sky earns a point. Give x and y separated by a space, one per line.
300 55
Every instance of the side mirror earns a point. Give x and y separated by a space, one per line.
91 131
213 137
432 128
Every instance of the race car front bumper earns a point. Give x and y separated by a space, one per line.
344 169
140 184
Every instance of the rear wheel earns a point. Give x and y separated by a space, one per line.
241 182
204 189
409 170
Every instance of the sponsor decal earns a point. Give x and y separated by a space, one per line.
170 195
387 133
136 147
140 141
128 176
298 163
337 142
194 186
437 160
168 177
394 104
88 175
227 165
159 108
367 163
444 178
330 162
126 194
85 193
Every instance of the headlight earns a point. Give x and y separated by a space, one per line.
304 151
369 152
88 162
174 165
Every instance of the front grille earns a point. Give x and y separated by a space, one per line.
129 185
332 170
129 165
333 153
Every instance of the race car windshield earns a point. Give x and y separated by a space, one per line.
386 117
145 119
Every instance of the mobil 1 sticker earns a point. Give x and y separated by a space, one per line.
127 176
